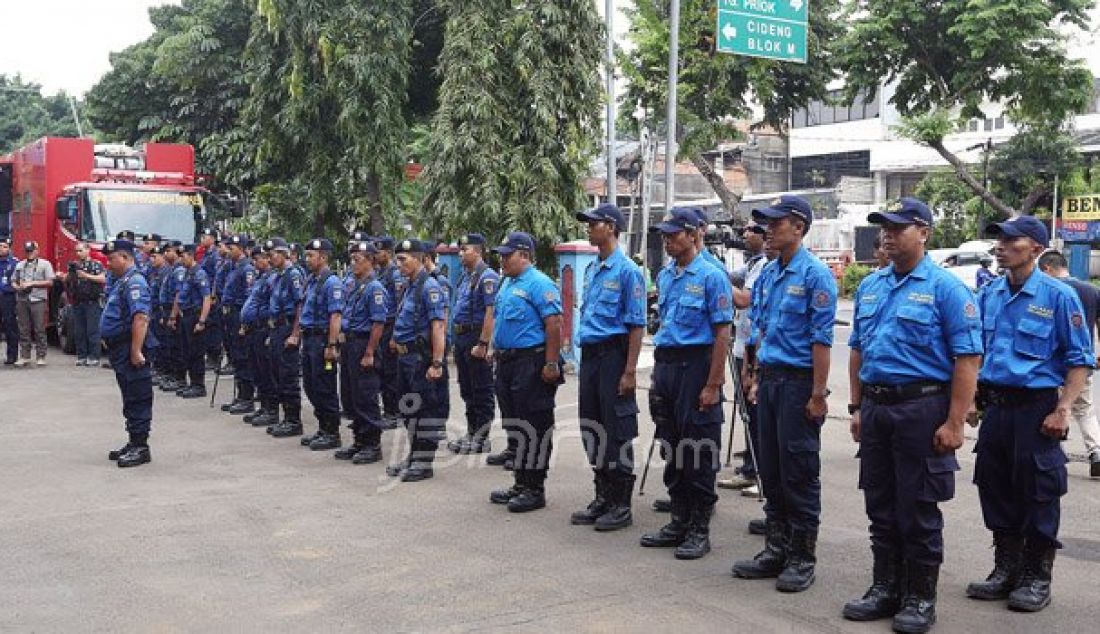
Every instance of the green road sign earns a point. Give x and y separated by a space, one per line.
775 29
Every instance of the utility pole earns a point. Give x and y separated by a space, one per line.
670 119
609 10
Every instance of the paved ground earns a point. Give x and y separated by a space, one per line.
229 530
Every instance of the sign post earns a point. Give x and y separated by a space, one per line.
772 29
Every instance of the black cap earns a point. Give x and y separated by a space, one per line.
785 205
516 241
151 237
904 211
411 245
173 244
120 245
364 246
471 238
5 240
188 248
295 248
319 244
606 212
125 234
754 228
157 250
241 240
256 251
360 236
385 243
211 232
276 244
681 219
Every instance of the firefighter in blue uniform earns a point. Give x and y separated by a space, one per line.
348 281
685 399
211 261
124 326
9 328
157 270
793 310
217 290
255 316
190 315
319 332
419 341
915 350
613 315
365 308
238 283
1038 354
394 283
287 291
527 348
109 277
431 265
144 258
174 372
472 328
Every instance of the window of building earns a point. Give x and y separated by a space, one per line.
999 123
834 110
825 170
899 185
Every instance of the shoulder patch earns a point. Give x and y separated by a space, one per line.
723 301
135 293
1078 320
638 291
434 296
488 285
821 299
550 296
970 310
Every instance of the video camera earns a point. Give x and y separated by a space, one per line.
724 233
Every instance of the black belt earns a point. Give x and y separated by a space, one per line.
680 354
785 372
462 329
510 354
353 336
278 322
600 348
315 332
416 346
191 311
1006 396
117 340
894 394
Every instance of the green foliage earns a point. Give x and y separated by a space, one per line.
1024 168
517 121
853 275
955 206
26 114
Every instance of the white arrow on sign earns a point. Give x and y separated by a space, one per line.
796 5
730 32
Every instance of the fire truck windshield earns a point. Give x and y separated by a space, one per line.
170 214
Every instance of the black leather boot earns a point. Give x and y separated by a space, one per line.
599 504
372 447
532 495
1008 552
882 599
617 515
697 542
268 415
798 575
770 562
244 399
292 422
236 396
328 436
672 534
1032 593
758 527
918 607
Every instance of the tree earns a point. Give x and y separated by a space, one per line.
1023 169
945 59
26 114
715 90
955 207
518 118
328 97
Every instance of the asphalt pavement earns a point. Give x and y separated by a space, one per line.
230 530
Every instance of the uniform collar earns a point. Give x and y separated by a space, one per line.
922 271
796 261
612 259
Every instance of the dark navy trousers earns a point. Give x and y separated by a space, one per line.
527 413
903 479
691 441
1020 472
319 380
360 387
390 373
193 345
424 405
259 356
285 364
475 385
609 422
136 386
788 457
9 326
243 370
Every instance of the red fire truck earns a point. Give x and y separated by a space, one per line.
59 191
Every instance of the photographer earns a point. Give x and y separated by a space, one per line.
84 282
32 280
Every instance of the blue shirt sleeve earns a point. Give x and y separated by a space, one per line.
202 282
334 295
1072 331
490 283
547 298
633 290
822 307
435 300
377 307
139 298
295 287
719 297
962 321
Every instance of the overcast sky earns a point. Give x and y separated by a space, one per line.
64 44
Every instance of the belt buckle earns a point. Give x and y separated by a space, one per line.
401 348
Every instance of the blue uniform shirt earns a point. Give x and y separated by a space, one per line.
394 283
7 269
257 307
522 305
793 307
211 262
220 278
911 329
691 302
712 260
193 287
169 286
1033 337
614 299
128 298
322 300
445 284
156 281
422 303
984 276
287 290
367 304
476 292
238 282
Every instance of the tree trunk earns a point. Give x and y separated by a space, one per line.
1033 198
375 219
968 179
728 197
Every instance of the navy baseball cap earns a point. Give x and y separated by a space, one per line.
5 240
241 240
173 244
188 248
319 244
754 228
257 251
294 247
364 246
125 234
471 238
360 236
904 211
151 237
412 245
516 241
211 232
385 243
276 244
784 206
157 250
121 245
606 212
1019 227
681 219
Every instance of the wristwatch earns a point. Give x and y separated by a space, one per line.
553 364
852 409
437 364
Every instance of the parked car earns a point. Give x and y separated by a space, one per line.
965 261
